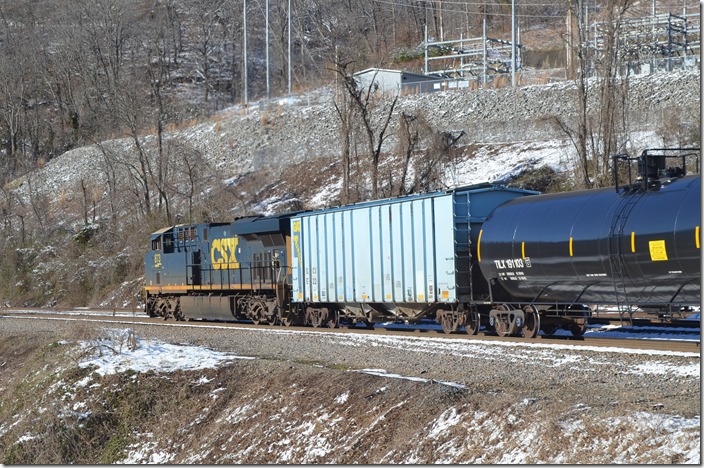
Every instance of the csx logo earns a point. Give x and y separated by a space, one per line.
222 253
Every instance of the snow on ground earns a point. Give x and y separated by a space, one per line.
384 373
489 165
120 350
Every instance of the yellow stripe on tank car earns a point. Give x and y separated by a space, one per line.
633 241
523 250
571 251
479 245
696 237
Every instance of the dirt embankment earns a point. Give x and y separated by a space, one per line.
302 400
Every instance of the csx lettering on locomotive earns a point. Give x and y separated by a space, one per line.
223 253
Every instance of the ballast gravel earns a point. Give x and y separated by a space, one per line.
644 381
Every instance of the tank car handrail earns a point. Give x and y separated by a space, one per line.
651 167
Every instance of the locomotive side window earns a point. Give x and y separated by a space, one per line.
156 243
267 267
255 267
168 244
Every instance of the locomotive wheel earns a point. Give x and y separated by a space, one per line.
178 313
531 324
473 322
257 313
163 310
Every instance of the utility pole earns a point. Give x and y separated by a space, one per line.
244 53
425 29
569 41
268 89
513 43
289 48
484 67
426 48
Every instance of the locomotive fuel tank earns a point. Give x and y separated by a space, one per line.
605 246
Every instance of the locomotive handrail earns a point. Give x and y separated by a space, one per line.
228 277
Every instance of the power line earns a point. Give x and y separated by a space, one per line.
453 10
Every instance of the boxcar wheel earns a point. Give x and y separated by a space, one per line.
333 320
473 323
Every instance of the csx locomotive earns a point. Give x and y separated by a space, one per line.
514 261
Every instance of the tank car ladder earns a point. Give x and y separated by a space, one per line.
615 252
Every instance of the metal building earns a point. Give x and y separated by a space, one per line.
398 81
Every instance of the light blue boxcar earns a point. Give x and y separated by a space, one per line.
406 250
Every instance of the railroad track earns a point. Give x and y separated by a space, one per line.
137 317
645 322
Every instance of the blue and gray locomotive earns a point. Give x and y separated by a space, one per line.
514 260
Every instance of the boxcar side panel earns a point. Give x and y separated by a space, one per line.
444 235
399 251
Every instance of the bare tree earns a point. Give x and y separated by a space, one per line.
598 131
207 15
371 114
408 138
344 113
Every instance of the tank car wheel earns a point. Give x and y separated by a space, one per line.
549 330
275 318
531 323
578 330
473 323
501 327
295 317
